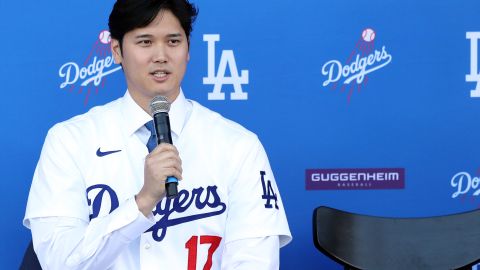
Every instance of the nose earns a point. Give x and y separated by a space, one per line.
159 55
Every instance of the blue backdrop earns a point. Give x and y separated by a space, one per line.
325 84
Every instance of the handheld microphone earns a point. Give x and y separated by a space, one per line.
159 107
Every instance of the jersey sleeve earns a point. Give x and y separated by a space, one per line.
57 186
57 212
255 204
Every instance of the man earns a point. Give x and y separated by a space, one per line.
97 199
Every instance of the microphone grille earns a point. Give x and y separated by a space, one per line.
159 104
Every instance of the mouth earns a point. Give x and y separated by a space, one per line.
160 74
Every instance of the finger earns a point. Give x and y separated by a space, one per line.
175 173
160 163
164 147
163 160
165 173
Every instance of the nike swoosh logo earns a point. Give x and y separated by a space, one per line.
102 154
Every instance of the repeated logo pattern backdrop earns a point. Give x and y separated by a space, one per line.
367 106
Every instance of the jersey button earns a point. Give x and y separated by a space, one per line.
147 245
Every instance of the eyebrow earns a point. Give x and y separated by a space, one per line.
150 36
144 36
174 35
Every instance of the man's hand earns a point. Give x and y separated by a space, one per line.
162 162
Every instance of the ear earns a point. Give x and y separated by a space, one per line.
116 51
188 56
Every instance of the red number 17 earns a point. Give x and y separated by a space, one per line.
191 245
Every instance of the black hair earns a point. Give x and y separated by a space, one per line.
128 15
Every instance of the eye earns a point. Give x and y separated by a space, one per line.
174 42
144 42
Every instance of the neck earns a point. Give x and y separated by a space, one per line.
144 101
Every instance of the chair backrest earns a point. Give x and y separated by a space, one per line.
30 260
368 242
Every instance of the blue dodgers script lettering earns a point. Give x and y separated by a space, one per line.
180 204
200 198
97 201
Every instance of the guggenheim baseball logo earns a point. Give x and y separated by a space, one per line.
364 59
90 74
351 179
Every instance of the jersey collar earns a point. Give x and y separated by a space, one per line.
135 117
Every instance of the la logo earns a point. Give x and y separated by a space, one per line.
474 75
218 80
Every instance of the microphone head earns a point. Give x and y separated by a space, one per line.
159 104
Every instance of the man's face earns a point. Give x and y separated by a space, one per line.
154 58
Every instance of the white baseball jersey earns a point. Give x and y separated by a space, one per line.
91 167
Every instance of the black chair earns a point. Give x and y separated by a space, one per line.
368 242
30 260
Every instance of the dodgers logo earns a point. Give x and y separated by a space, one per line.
200 202
219 79
268 192
464 183
474 75
212 204
363 60
90 74
99 193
